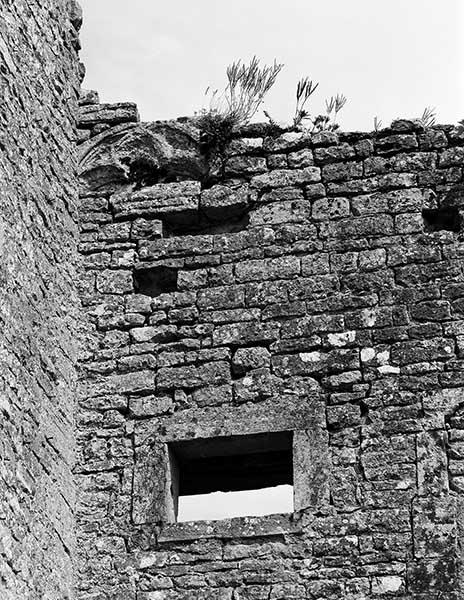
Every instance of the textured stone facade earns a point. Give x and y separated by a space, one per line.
313 285
299 294
39 84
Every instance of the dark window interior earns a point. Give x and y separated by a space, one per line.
203 226
439 219
155 280
242 462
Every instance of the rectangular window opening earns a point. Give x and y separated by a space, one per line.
242 475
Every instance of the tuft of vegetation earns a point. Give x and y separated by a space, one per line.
323 122
428 118
216 132
247 85
304 90
236 106
328 121
377 124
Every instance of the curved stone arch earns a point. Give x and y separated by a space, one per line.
142 154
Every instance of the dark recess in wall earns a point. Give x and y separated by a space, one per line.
243 462
154 281
203 226
444 218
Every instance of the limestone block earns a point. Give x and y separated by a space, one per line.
220 203
248 165
115 282
283 178
396 143
214 373
246 359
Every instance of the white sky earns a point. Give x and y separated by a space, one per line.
220 505
391 58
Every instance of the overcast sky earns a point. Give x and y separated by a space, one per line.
391 58
220 505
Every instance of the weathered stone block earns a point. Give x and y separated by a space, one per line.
362 226
409 223
342 172
242 334
246 359
347 415
334 154
453 157
158 200
293 211
367 185
214 373
148 229
422 351
221 297
248 165
437 310
115 282
432 139
161 333
255 386
315 264
111 114
291 140
211 396
220 202
300 159
330 208
396 143
270 268
245 146
283 178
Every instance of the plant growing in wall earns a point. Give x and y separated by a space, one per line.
323 122
304 90
428 118
328 121
377 124
228 111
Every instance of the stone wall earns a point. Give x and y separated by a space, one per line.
312 284
39 80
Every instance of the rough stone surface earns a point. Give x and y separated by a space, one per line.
316 287
309 294
39 83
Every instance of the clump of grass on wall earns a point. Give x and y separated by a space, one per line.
304 90
228 111
323 122
428 118
328 121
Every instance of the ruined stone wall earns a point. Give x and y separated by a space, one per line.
312 284
39 82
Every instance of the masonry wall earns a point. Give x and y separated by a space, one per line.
307 283
39 80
